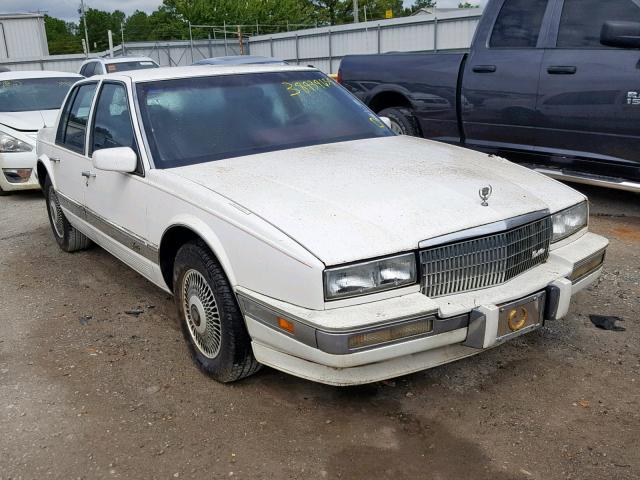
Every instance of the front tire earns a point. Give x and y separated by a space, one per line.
402 121
211 319
68 238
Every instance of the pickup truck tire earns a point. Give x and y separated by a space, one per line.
211 320
69 239
402 121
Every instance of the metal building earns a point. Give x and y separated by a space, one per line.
22 35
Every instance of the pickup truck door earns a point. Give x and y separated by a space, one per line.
590 93
117 202
500 80
69 161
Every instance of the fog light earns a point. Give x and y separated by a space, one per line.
390 334
17 175
587 266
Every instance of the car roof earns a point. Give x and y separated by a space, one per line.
120 59
239 60
23 74
168 73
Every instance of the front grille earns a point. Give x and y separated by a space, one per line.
485 261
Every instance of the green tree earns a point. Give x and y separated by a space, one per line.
61 36
418 4
467 5
98 23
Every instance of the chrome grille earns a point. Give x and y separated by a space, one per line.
485 261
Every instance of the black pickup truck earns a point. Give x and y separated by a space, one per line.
554 84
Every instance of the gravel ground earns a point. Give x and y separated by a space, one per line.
88 391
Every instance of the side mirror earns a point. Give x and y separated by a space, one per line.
386 121
620 34
118 159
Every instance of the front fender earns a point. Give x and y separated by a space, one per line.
206 233
44 168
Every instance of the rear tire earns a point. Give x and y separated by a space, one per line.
402 121
211 320
69 239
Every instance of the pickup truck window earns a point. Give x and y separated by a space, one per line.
112 123
196 120
73 123
518 24
581 21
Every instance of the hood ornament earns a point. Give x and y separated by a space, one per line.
485 194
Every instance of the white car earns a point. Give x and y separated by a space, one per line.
296 230
102 66
28 101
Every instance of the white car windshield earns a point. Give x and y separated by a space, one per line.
203 119
30 94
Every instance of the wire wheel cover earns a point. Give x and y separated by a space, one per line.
56 213
201 314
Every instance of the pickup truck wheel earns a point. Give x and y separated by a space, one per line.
402 122
69 239
211 319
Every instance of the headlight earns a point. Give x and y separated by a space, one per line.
370 277
12 144
569 221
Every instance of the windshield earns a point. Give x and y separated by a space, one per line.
195 120
29 94
134 65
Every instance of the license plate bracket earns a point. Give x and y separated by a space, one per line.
522 316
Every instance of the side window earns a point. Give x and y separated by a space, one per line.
83 70
518 24
91 69
73 123
112 123
582 20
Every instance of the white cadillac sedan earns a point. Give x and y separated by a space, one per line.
28 101
296 230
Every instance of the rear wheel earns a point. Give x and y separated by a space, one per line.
69 239
402 121
211 319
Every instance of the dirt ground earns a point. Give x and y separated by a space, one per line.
88 391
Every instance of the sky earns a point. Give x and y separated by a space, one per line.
68 9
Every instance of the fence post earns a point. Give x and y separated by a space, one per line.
297 51
110 38
271 46
435 34
225 38
379 40
330 52
169 55
191 41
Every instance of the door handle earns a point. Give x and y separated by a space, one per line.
54 159
484 68
88 174
561 70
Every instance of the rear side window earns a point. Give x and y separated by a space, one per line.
73 122
518 24
582 20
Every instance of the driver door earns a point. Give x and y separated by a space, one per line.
116 203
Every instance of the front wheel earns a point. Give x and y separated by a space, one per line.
68 238
211 319
402 121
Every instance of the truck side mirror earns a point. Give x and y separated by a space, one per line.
118 159
620 34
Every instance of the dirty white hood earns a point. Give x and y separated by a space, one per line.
28 121
367 198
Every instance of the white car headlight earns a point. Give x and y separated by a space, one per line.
10 144
370 277
569 221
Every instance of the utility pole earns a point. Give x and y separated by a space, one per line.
84 20
355 11
123 50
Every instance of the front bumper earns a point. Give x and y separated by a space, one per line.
18 160
463 324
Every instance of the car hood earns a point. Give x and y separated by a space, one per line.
367 198
28 121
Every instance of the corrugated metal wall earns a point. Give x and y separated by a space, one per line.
165 53
324 47
22 36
